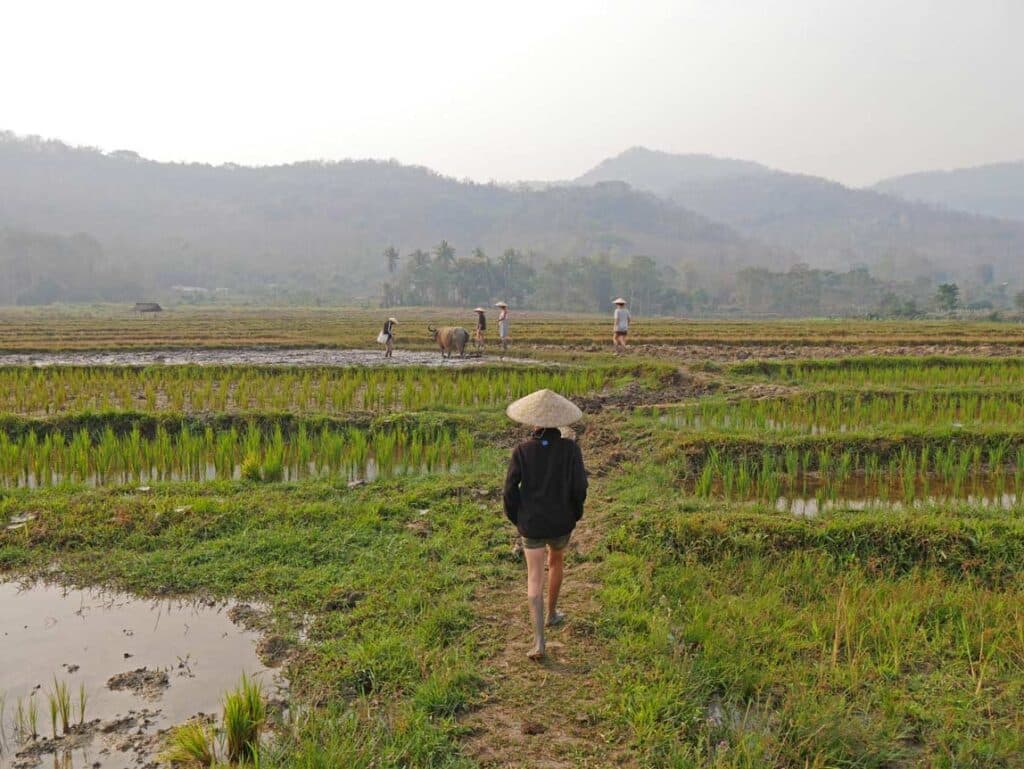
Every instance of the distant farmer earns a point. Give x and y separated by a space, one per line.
620 326
387 336
503 337
545 489
481 326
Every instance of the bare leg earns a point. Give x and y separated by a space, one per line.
535 596
556 567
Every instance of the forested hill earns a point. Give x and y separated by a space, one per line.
77 223
992 190
825 223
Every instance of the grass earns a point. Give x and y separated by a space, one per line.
382 658
748 640
722 633
245 717
190 745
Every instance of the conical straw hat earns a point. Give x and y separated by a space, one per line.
620 300
500 304
393 320
544 408
479 309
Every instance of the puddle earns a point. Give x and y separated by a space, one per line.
354 475
253 357
808 494
144 665
809 507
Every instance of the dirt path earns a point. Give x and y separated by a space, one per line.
547 715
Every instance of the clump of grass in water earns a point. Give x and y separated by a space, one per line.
245 714
252 469
189 745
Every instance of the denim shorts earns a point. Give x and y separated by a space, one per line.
555 543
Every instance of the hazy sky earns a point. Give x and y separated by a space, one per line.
852 90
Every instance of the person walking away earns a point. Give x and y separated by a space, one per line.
481 327
620 328
545 490
503 337
387 336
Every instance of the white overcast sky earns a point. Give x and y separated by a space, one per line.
854 90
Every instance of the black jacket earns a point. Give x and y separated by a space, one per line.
546 485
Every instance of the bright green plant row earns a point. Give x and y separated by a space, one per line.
907 474
28 460
319 390
893 372
850 411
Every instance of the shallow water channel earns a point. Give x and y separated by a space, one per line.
144 665
253 357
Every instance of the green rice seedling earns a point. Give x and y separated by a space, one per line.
62 696
189 745
273 466
32 712
21 724
245 716
83 700
252 468
54 707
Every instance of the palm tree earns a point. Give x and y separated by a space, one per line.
391 258
479 253
444 254
506 262
420 258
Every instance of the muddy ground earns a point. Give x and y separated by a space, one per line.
144 665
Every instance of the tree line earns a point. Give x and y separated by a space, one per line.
579 284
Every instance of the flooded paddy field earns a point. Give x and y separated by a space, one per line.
246 356
132 669
321 390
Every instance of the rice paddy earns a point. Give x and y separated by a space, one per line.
193 389
828 412
893 372
232 453
117 328
810 563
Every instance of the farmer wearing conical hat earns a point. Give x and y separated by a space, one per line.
545 489
388 335
481 326
620 325
503 324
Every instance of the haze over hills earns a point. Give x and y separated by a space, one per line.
77 224
133 224
991 190
826 224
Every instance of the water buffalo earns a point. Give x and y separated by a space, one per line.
450 339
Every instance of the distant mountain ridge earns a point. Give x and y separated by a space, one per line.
825 223
322 225
662 172
995 190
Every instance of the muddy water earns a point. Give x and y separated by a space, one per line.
809 507
192 653
251 357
